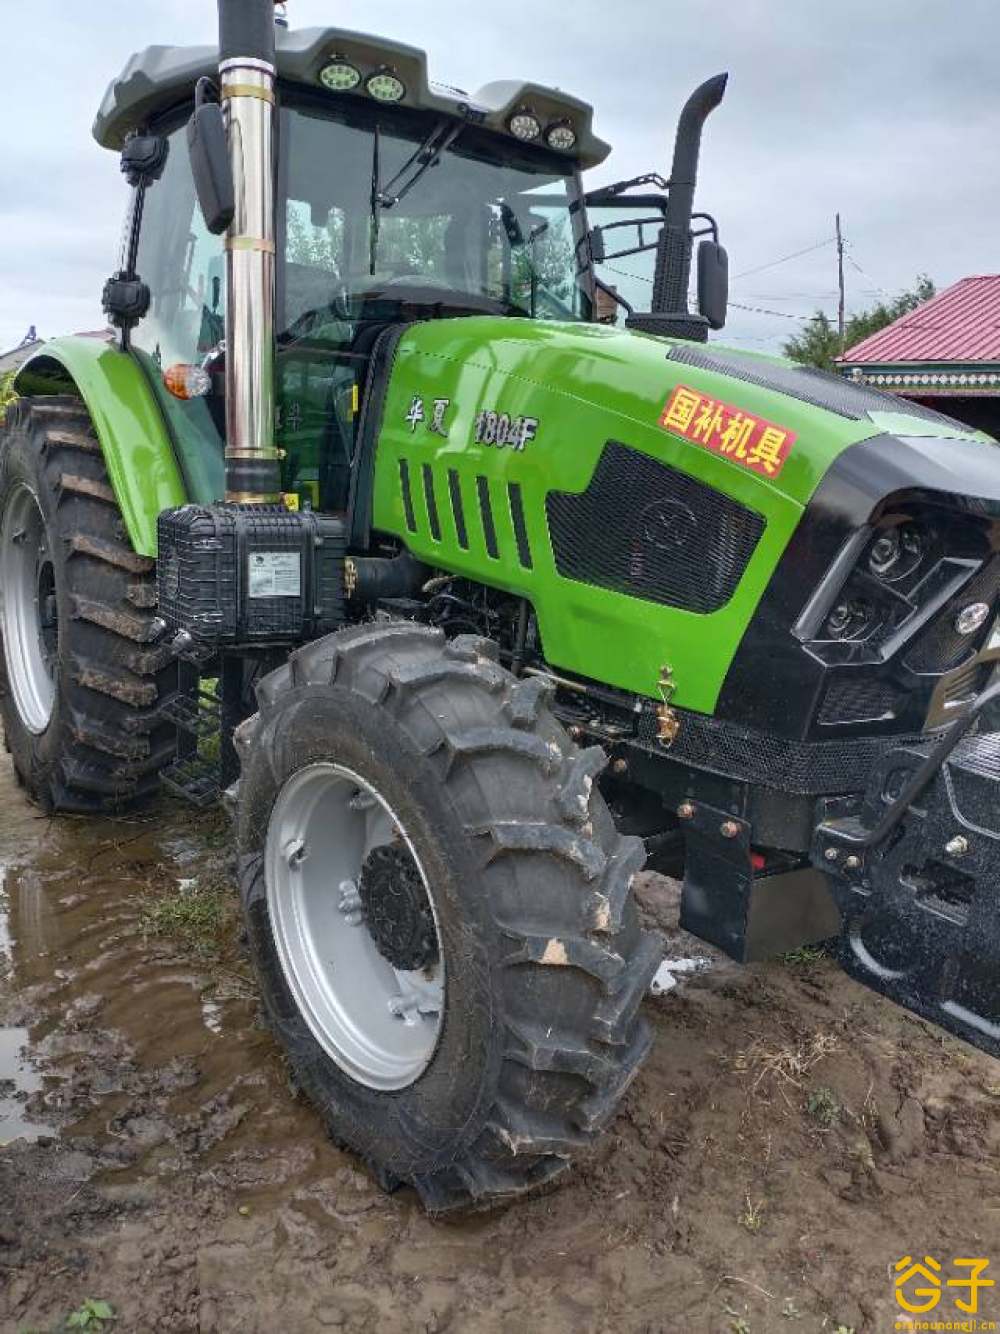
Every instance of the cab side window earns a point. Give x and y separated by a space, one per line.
184 267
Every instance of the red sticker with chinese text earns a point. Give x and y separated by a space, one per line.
751 441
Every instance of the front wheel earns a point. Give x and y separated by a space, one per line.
439 912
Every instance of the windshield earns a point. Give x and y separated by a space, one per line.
386 213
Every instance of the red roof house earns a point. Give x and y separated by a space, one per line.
946 349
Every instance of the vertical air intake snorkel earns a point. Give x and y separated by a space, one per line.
246 82
670 314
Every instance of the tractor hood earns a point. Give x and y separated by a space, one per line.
640 492
676 398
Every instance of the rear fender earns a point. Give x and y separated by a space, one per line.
137 448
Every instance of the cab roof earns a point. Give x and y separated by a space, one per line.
162 76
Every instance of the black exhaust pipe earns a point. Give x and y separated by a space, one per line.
670 314
246 29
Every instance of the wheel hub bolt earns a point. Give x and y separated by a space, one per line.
296 853
350 903
729 829
831 854
957 846
852 863
685 811
405 1008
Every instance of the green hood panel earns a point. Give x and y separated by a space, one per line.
585 385
137 449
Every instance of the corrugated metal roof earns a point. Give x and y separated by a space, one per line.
962 324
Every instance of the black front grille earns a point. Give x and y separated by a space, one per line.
851 699
942 647
809 385
805 768
648 530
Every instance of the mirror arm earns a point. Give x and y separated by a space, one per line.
606 192
615 296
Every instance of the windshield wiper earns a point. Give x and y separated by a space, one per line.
427 155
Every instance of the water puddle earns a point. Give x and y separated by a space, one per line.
18 1080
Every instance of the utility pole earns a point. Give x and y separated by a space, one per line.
840 285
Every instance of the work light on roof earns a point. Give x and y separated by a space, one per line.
339 75
561 136
385 86
525 125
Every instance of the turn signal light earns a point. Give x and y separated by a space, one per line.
187 381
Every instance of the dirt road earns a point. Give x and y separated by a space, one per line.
791 1138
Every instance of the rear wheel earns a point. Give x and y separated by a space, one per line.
81 669
439 911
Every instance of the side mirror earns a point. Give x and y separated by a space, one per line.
208 149
598 251
713 283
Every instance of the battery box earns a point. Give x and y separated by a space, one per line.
244 574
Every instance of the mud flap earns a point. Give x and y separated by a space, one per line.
915 870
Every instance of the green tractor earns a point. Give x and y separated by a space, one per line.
474 585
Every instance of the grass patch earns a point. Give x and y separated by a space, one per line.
806 956
823 1107
198 915
91 1315
752 1217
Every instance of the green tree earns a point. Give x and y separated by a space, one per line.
7 394
819 344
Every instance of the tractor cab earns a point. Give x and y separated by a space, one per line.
391 199
395 200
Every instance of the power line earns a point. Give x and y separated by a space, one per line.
785 258
781 314
854 264
636 277
841 298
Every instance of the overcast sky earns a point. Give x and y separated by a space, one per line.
888 110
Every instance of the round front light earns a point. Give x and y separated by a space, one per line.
972 618
339 76
884 553
525 125
385 86
561 136
848 620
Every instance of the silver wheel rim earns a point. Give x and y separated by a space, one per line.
380 1024
27 609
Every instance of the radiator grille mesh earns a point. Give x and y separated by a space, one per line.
850 700
648 530
804 767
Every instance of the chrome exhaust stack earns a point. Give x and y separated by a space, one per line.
247 75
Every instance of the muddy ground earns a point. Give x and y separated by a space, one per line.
790 1139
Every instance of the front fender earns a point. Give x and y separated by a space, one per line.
138 451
